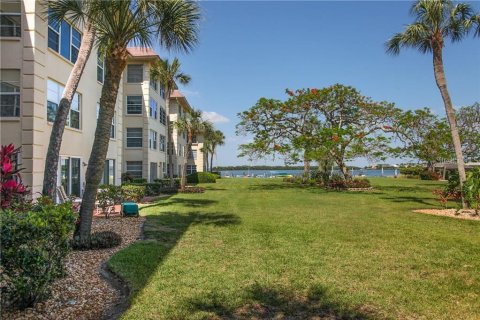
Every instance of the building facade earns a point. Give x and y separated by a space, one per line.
37 57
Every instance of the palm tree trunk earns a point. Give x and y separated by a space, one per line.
53 152
115 63
170 138
211 158
442 86
205 166
183 181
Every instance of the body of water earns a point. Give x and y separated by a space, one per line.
274 173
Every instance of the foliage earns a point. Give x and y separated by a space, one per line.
212 139
34 244
166 182
430 175
423 136
133 193
139 180
202 177
468 119
192 189
97 240
412 171
108 196
12 190
471 189
127 177
335 123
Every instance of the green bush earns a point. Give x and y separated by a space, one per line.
166 182
98 240
133 193
34 245
139 180
471 190
202 177
154 189
412 172
429 175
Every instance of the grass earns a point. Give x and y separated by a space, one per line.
260 248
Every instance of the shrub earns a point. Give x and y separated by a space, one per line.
358 183
34 245
338 182
471 190
133 193
13 193
139 180
191 189
98 240
412 171
127 177
429 175
217 173
108 195
201 177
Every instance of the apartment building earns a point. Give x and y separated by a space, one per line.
145 118
37 57
179 106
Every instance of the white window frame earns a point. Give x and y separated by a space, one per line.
136 138
135 105
58 92
101 59
16 28
137 163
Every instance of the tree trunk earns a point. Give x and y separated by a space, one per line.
115 63
53 153
344 169
183 180
170 138
442 86
205 166
211 158
306 168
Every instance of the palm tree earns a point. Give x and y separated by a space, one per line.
218 139
168 73
436 21
172 23
76 11
193 125
207 138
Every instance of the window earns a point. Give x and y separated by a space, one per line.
162 92
191 169
100 68
135 168
180 150
153 171
112 128
54 95
109 172
64 39
152 140
193 154
154 84
134 104
163 116
163 140
153 109
135 73
184 135
134 137
9 93
10 19
70 175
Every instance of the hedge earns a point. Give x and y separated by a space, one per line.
34 245
202 177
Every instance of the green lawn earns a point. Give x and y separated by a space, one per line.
254 249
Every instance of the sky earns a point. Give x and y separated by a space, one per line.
254 49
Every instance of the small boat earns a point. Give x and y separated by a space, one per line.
284 175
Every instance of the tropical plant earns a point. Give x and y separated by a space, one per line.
471 190
168 73
436 21
214 139
468 118
172 23
193 125
13 192
76 11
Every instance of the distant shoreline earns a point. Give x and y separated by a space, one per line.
235 168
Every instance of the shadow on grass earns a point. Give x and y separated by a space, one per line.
281 186
136 263
191 203
406 199
280 303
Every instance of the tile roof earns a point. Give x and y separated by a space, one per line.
177 94
142 52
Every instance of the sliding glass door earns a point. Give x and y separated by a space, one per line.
70 176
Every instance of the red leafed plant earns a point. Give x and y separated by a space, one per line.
12 189
443 196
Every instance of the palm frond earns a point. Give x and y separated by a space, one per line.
74 10
415 35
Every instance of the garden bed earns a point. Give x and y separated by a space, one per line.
84 293
461 214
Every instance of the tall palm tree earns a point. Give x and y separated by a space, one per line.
173 23
193 125
76 11
168 73
207 138
436 21
218 139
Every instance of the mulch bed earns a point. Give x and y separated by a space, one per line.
84 293
461 214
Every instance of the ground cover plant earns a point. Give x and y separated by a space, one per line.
262 248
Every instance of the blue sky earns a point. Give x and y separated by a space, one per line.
253 49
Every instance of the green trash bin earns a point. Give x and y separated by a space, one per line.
130 209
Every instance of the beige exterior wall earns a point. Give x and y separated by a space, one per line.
38 64
145 154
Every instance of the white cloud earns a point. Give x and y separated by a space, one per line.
214 117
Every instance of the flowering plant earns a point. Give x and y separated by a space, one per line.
12 189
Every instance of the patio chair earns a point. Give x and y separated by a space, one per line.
63 197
